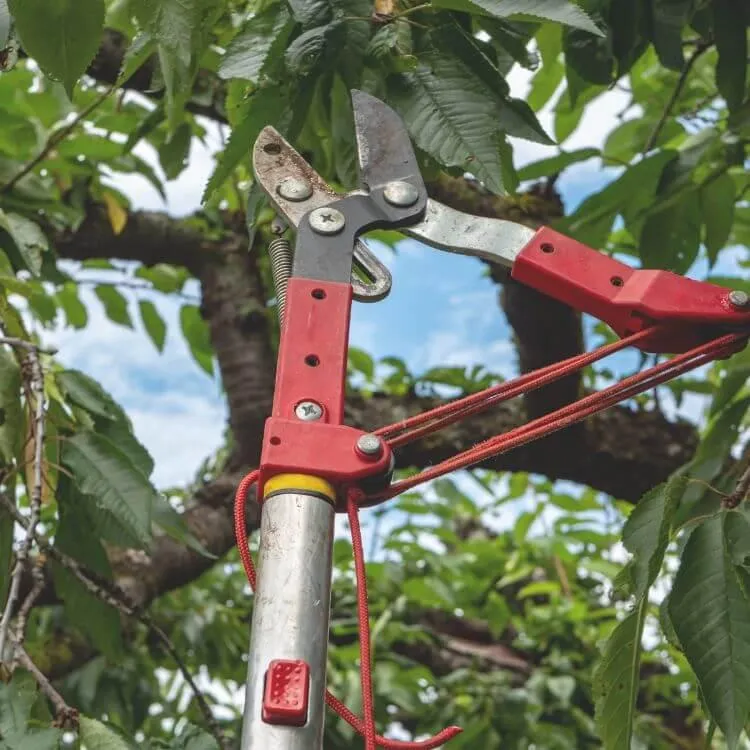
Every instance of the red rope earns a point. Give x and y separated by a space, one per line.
366 727
420 425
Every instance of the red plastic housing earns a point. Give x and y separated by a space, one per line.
287 693
627 299
312 367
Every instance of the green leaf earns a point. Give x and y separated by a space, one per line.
362 362
153 323
630 138
730 35
451 115
75 311
84 391
106 473
115 304
98 736
121 435
163 277
669 18
174 525
78 537
266 106
590 56
717 209
711 615
616 681
28 237
194 738
197 336
646 532
17 730
11 412
61 35
258 45
670 238
555 164
174 152
559 11
6 552
549 77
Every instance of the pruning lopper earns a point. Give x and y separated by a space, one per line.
312 465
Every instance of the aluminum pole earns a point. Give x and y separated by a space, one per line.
291 614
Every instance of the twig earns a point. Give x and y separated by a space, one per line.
54 139
65 715
23 613
108 593
36 388
697 52
740 491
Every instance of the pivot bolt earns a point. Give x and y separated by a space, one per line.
739 299
369 446
294 189
401 194
308 411
327 220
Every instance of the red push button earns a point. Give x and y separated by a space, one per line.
287 692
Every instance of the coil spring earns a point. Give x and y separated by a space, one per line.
280 253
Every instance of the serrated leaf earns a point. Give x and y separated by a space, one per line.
11 413
104 472
717 209
140 49
730 34
616 681
174 152
555 164
77 537
197 336
98 736
257 45
153 323
28 238
122 436
266 106
115 304
451 115
61 35
84 391
670 238
75 311
711 615
17 732
646 532
559 11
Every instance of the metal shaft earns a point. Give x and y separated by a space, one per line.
290 614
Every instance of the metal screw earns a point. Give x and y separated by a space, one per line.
327 221
294 189
369 445
401 194
739 299
308 411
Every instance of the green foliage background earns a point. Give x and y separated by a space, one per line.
579 617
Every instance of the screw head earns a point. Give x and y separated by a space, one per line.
294 189
308 411
739 299
401 194
327 220
369 446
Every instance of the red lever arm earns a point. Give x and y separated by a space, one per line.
628 299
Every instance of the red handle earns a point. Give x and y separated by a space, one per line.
627 299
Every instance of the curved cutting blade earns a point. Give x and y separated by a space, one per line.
383 146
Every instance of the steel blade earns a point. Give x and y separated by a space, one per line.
383 146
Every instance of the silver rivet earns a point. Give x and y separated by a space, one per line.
369 445
327 220
308 411
401 194
739 299
294 189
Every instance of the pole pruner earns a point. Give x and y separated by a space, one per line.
313 465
